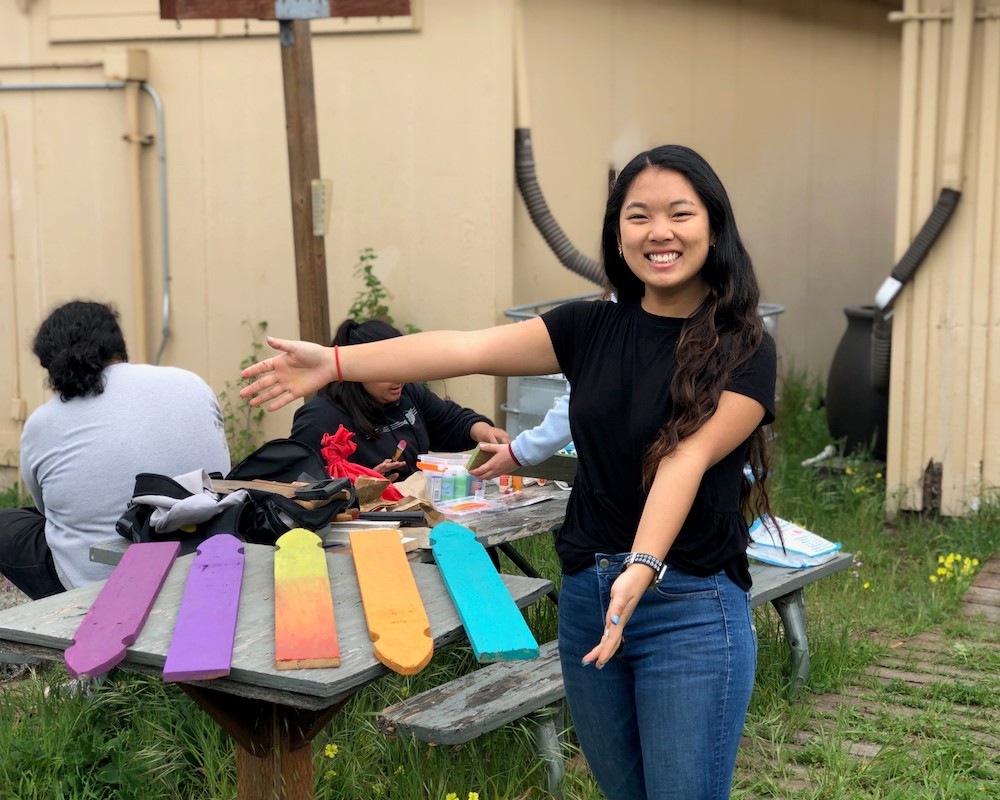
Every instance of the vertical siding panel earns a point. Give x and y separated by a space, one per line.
981 171
899 491
989 256
924 402
957 276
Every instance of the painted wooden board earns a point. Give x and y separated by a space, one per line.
394 610
202 644
492 621
120 609
305 631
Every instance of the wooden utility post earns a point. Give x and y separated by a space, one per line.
303 169
300 121
283 769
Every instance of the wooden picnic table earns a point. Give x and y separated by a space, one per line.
273 715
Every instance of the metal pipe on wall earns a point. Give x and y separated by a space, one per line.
134 138
161 151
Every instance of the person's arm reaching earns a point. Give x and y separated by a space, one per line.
303 368
529 447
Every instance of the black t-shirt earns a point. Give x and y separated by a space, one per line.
620 361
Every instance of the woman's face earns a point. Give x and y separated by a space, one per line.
665 237
384 393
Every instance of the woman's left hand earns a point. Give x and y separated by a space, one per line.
383 467
626 592
483 432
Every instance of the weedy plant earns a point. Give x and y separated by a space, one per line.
369 302
244 424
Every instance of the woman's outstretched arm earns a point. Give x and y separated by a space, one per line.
301 368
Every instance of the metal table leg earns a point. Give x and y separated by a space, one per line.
522 564
792 610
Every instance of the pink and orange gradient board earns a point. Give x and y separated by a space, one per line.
305 631
395 613
120 610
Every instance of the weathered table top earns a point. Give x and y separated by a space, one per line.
491 529
46 628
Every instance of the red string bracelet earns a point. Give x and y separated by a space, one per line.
510 449
336 356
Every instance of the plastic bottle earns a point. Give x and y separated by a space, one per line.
448 484
435 482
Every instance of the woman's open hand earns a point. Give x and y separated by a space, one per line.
301 369
384 467
625 594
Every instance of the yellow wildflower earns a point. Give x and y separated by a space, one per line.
451 796
473 795
331 750
330 773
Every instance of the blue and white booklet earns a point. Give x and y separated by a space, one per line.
796 547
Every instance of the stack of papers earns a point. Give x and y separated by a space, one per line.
796 547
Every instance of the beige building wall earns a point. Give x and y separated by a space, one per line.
944 436
794 103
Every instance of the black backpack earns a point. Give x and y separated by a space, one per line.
261 518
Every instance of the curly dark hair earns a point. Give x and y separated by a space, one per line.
75 343
721 335
351 396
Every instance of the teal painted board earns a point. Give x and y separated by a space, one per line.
202 644
492 620
120 610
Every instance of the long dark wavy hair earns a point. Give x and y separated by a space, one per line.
75 343
351 396
721 335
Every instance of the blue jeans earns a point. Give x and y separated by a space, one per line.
662 720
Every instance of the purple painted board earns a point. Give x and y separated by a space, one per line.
202 644
117 615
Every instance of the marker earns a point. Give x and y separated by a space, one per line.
399 450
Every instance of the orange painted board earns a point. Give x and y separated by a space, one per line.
305 631
395 613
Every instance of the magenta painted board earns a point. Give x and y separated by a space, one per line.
202 645
117 615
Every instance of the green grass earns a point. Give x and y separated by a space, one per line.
137 737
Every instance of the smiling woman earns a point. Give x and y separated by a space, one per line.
393 421
671 387
665 239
